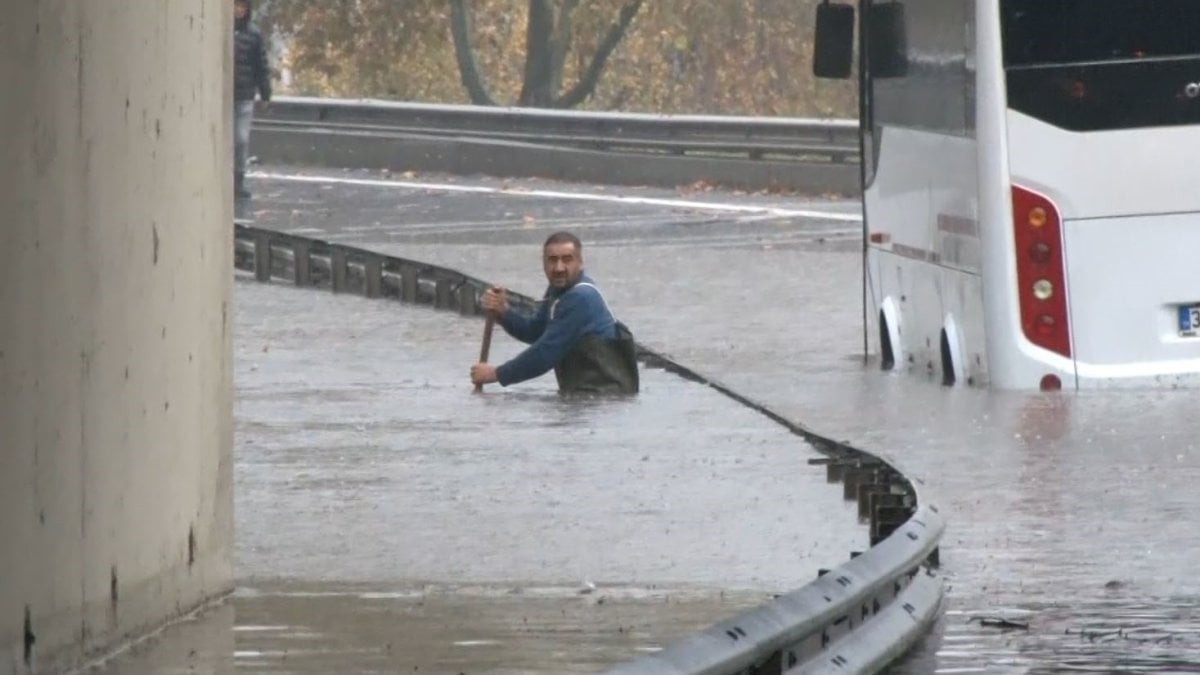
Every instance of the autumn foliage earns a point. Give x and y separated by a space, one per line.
741 57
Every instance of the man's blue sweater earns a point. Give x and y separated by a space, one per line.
563 317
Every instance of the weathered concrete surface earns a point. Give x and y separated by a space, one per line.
1067 511
115 370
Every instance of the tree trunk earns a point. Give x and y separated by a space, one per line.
547 43
539 56
468 68
587 81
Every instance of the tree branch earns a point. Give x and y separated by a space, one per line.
560 46
468 68
586 85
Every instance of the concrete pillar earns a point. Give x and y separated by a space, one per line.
115 360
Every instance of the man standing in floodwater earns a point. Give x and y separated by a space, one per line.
572 330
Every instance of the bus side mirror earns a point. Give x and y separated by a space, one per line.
833 44
887 45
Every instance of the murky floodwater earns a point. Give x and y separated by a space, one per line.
323 627
1071 513
362 454
388 519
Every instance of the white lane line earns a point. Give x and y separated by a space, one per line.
733 245
557 194
509 223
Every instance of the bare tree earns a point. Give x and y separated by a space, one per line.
548 41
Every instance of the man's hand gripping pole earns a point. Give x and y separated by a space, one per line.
489 323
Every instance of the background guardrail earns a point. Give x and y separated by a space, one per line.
858 617
747 152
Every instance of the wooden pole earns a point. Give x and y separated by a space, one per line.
488 324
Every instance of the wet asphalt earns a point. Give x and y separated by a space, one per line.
1073 514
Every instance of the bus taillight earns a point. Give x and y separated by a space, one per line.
1041 279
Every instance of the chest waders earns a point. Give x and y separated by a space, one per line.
600 365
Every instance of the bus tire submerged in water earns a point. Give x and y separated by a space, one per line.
887 357
948 376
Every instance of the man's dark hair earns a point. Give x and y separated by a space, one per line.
564 238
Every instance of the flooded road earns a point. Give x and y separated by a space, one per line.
388 519
1073 514
363 454
323 627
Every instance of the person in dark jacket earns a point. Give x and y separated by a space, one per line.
251 75
572 331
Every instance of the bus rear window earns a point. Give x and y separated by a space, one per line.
1096 65
1062 32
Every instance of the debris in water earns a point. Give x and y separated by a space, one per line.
999 622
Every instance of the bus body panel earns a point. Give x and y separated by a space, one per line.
1128 277
1130 243
1099 174
927 216
926 210
919 198
957 310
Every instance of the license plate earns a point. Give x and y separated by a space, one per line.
1189 320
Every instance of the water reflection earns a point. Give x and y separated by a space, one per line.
299 627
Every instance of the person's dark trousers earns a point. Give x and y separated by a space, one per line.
243 116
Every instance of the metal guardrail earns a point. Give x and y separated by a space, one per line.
749 137
856 618
814 156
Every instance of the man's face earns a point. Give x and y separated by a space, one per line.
562 264
240 10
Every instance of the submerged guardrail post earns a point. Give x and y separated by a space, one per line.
834 472
442 294
887 519
853 477
301 266
867 492
262 256
373 276
408 283
337 269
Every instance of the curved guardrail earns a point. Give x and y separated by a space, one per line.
820 155
856 618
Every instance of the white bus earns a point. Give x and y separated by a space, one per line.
1031 186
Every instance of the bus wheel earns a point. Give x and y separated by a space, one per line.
887 358
947 361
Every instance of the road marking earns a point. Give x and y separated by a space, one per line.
558 194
